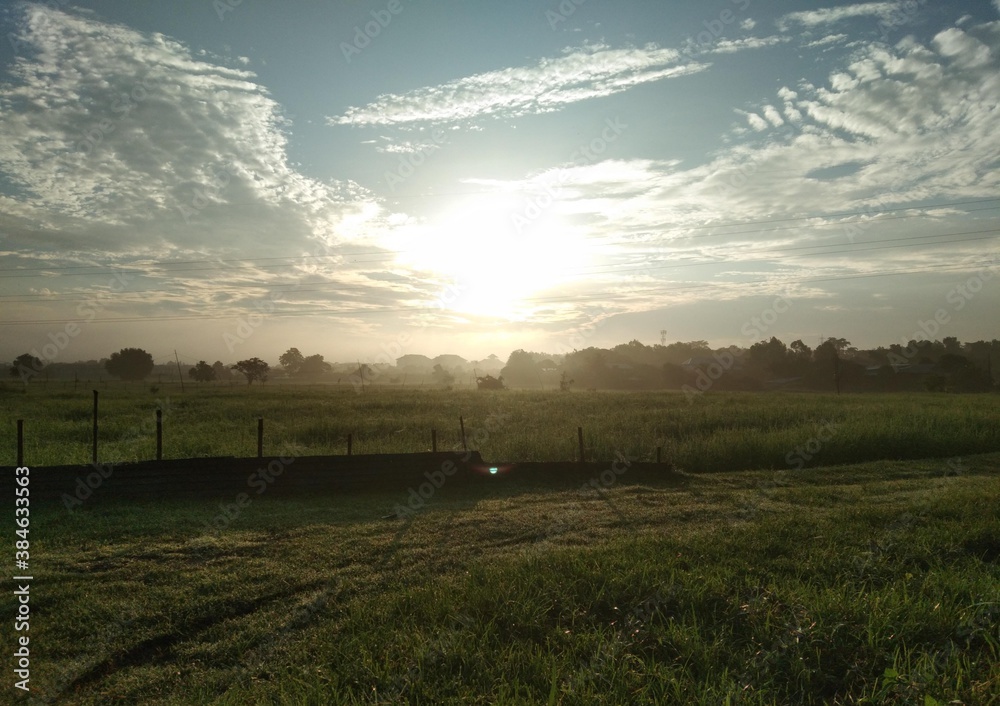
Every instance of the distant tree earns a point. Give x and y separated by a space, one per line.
202 372
253 369
951 345
521 369
313 366
565 381
222 372
441 376
25 366
130 364
772 355
292 360
800 350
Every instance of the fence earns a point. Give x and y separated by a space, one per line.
218 475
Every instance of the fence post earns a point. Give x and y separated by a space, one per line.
260 437
159 435
434 440
20 442
579 438
461 423
93 453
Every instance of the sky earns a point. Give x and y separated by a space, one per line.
364 180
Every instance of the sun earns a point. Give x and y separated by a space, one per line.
500 251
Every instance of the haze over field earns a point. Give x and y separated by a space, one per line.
232 178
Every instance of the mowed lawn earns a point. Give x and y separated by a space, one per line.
871 583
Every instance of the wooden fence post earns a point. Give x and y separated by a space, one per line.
159 435
260 437
461 423
93 453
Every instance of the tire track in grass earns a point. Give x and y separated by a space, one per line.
159 649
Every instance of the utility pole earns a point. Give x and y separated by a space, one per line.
361 372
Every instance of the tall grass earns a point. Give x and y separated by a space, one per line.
712 433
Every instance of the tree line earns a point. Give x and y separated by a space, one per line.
834 364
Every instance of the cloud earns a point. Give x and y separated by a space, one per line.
831 15
827 40
123 149
107 126
548 86
892 129
730 46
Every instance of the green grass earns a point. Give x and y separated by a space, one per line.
877 583
714 433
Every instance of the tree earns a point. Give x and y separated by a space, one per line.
565 381
130 364
222 372
253 369
202 372
771 355
312 366
441 376
521 369
25 366
292 360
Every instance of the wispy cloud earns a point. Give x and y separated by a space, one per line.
830 15
827 40
731 46
920 127
125 149
548 86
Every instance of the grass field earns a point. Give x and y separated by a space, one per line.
712 433
875 583
779 578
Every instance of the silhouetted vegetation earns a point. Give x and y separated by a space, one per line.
130 364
